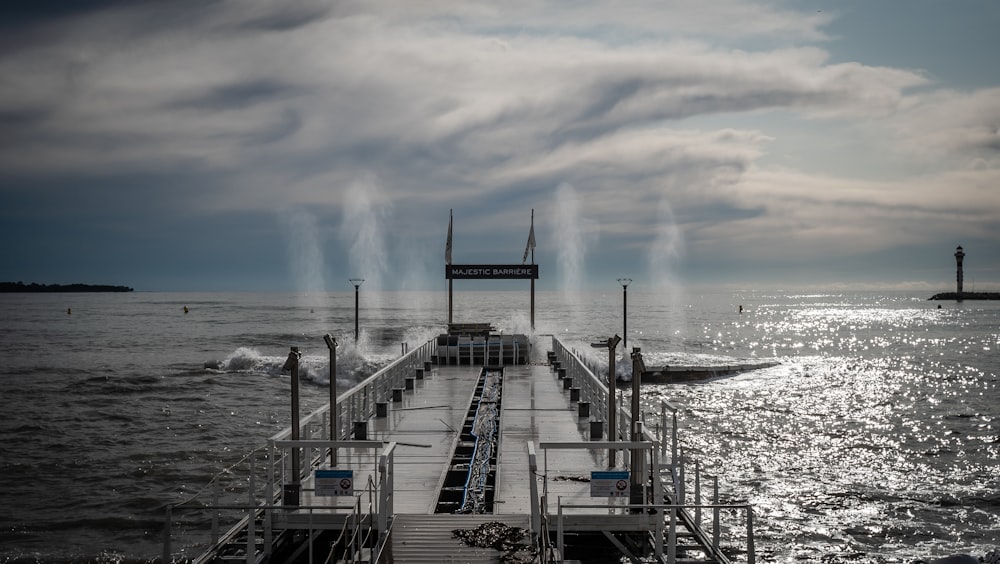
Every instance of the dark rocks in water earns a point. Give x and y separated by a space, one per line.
967 296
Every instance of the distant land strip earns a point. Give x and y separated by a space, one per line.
10 287
967 296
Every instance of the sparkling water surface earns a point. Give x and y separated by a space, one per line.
876 438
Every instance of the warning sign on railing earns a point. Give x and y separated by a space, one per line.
609 483
334 482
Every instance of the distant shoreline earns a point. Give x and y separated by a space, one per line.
967 296
13 287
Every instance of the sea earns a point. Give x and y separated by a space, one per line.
875 439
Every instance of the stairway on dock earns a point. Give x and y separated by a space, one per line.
429 538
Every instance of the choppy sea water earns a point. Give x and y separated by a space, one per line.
877 438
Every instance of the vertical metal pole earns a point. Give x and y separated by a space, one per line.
625 282
715 513
331 343
751 556
697 493
251 517
292 364
562 547
636 437
672 536
612 399
625 316
673 450
357 292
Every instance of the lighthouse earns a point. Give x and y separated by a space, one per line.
959 255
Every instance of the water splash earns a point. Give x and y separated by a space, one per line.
364 213
663 256
665 250
305 256
568 238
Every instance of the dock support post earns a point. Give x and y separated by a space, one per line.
751 556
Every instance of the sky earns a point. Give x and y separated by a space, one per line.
289 146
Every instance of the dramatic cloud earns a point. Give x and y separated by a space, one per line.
379 116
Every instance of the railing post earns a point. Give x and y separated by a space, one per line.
673 445
251 518
536 521
672 537
715 513
559 532
697 493
751 556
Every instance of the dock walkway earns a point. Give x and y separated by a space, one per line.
421 428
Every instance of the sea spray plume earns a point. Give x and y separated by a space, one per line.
570 237
664 254
364 213
305 256
304 249
665 250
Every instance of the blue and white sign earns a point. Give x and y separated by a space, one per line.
609 483
334 482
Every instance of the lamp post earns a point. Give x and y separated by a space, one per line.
331 344
357 284
625 282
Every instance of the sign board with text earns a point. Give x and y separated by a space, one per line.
491 271
334 482
609 483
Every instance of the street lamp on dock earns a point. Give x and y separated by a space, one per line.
357 285
625 282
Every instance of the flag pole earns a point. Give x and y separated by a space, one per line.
448 261
532 278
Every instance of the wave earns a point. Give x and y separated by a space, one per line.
353 365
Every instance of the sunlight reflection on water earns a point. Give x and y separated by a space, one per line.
875 436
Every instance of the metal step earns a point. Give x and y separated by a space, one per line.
429 538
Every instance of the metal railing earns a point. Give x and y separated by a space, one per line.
265 485
676 513
361 525
671 478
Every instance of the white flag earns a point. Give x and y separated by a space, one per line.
447 246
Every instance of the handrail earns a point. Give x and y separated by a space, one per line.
593 390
